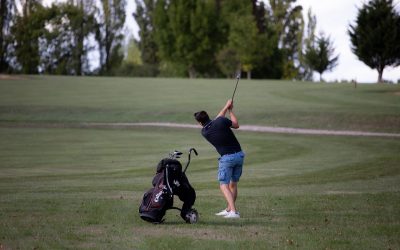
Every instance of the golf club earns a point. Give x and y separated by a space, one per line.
175 155
237 81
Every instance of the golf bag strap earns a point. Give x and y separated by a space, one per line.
167 181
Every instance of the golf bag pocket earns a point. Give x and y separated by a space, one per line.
155 202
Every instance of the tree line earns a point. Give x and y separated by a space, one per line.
187 38
218 38
58 39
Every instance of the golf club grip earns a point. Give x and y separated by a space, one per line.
194 150
190 153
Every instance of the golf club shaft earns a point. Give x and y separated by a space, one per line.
237 81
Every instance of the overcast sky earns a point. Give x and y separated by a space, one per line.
333 18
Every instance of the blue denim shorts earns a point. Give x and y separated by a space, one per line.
230 167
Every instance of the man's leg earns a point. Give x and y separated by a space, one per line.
233 189
228 197
236 174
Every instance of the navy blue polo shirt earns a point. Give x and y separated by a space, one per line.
219 133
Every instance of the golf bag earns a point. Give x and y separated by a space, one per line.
169 180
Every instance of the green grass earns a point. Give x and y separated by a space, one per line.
81 188
273 103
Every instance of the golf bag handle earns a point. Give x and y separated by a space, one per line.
190 153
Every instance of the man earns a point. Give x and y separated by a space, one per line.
218 132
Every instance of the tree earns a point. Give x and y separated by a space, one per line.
320 56
246 41
134 55
7 11
62 48
271 56
308 42
147 43
289 26
187 34
247 36
28 29
376 34
109 34
81 20
228 62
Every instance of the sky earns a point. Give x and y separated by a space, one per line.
333 18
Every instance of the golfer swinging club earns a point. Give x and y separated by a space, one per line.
218 132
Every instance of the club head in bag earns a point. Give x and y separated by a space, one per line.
175 155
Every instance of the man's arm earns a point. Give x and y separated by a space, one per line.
229 107
235 123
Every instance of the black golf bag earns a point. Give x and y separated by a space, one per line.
169 180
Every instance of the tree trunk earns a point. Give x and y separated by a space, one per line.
80 43
380 74
192 72
249 75
3 15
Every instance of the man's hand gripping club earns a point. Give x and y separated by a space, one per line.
229 107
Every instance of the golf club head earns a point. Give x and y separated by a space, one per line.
175 155
238 76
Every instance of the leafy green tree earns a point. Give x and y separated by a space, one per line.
55 47
134 55
228 62
308 42
28 29
246 37
147 43
7 11
109 34
289 26
133 65
62 48
271 63
246 41
82 22
320 56
376 34
187 34
52 40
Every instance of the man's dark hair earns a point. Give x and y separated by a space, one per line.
202 117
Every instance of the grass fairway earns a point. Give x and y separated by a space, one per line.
81 188
273 103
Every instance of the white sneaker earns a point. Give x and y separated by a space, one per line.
233 215
222 213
